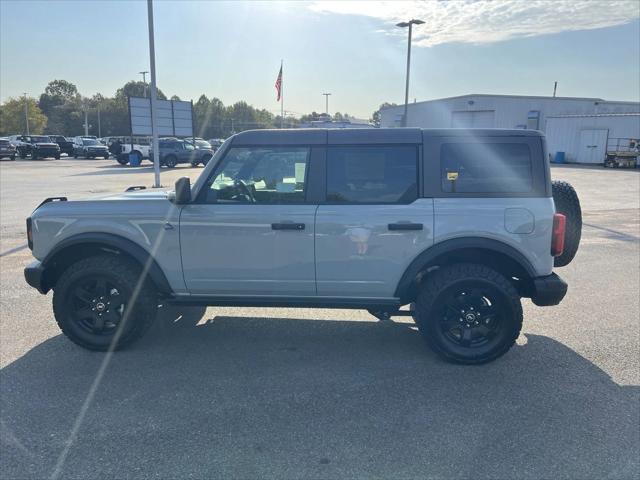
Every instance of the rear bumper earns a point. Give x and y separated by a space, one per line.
549 290
34 275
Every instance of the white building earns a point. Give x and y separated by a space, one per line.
553 115
587 138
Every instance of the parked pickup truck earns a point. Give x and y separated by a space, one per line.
37 146
456 224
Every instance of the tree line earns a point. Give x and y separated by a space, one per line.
60 109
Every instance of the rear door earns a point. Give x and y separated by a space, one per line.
374 221
251 230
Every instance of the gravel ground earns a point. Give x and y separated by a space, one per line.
288 393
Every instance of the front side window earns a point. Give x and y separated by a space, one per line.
372 174
486 168
267 175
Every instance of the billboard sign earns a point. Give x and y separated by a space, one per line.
175 117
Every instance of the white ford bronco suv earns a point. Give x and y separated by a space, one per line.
458 224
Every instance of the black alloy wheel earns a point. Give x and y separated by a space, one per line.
97 304
471 315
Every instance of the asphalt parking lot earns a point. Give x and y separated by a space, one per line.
288 393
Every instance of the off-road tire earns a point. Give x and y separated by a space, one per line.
34 156
195 163
125 274
206 159
12 157
57 157
567 203
430 303
106 157
122 160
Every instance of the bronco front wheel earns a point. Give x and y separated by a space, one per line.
99 303
468 313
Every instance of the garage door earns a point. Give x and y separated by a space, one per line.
593 145
473 119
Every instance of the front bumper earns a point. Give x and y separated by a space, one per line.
549 290
34 274
46 152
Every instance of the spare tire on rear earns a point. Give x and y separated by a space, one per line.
568 204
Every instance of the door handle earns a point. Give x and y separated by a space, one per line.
405 226
287 226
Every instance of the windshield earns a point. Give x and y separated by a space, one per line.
40 139
90 141
202 144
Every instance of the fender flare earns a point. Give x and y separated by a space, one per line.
116 242
451 245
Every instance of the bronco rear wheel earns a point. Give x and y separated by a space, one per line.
468 313
100 305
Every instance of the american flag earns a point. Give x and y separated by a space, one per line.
279 84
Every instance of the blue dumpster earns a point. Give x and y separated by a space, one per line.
559 157
134 159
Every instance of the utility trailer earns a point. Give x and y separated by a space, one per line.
622 152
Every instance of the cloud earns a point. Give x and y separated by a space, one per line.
487 21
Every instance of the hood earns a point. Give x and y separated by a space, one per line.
138 195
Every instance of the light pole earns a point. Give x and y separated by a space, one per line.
409 24
154 110
144 80
26 112
326 96
99 129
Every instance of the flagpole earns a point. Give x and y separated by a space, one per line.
281 97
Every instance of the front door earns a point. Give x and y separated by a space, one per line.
251 230
593 146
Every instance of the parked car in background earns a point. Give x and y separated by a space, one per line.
22 147
174 151
7 149
66 145
138 146
215 143
37 146
89 148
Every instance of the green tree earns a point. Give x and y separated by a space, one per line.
135 89
375 117
175 98
12 119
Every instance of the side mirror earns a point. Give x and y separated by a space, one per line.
183 191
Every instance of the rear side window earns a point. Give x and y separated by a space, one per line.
486 168
372 174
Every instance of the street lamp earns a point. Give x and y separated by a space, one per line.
26 112
144 80
409 24
326 96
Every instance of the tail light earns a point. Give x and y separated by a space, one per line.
29 234
557 234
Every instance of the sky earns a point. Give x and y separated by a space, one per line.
232 50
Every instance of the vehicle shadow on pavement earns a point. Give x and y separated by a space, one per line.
292 398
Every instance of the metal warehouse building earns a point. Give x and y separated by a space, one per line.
587 138
563 119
